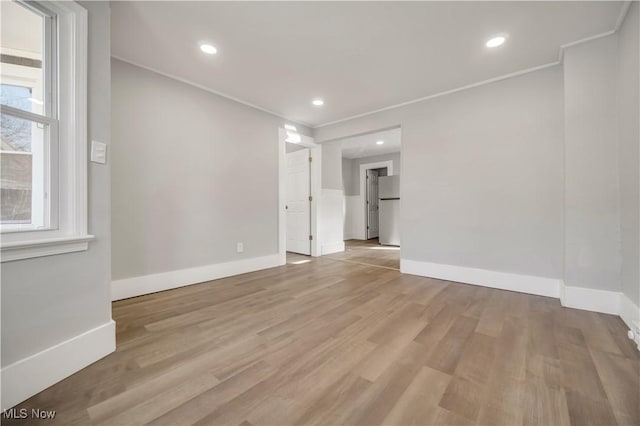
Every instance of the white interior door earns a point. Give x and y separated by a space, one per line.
298 204
372 203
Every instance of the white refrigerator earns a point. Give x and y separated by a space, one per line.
389 210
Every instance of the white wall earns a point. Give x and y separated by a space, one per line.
48 300
332 166
347 180
482 174
330 214
194 173
628 89
629 133
352 178
591 198
292 147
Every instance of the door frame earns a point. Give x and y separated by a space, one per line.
316 170
363 187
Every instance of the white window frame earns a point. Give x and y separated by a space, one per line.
69 169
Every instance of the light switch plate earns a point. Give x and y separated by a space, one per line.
98 152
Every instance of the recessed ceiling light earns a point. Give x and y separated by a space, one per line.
379 142
318 102
290 127
496 41
208 49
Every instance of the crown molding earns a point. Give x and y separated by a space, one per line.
582 40
208 89
624 11
446 92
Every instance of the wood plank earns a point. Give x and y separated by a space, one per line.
336 342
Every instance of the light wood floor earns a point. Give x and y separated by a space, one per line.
369 252
333 342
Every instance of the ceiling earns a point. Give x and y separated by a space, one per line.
365 145
357 56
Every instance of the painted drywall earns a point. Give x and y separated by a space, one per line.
629 134
193 174
332 166
591 195
48 300
331 202
482 174
292 147
347 180
351 175
330 220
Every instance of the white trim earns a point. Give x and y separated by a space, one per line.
588 299
27 377
437 95
624 10
27 115
630 314
316 193
208 89
146 284
583 40
540 286
70 169
629 311
330 248
44 247
282 198
607 302
363 183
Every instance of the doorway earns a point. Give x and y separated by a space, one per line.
372 201
299 163
370 174
371 166
298 207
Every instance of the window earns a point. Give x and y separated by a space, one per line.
43 129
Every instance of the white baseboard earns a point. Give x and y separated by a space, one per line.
607 302
354 236
501 280
137 286
629 311
332 247
25 378
588 299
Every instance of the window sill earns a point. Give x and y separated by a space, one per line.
44 247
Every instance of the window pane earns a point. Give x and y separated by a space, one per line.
21 57
22 172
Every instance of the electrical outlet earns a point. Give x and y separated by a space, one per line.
240 247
